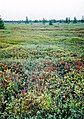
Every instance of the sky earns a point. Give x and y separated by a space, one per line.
39 9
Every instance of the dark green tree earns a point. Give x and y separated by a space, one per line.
66 20
1 24
69 20
82 20
27 21
50 22
75 20
44 21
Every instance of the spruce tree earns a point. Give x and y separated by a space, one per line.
1 24
27 21
75 20
44 21
82 20
67 20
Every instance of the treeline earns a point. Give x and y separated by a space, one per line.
41 21
44 21
67 20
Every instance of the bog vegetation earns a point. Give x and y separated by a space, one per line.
42 71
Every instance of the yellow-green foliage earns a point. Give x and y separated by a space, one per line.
46 101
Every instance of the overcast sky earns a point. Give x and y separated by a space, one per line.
39 9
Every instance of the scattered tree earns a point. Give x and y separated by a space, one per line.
27 21
75 20
43 21
1 24
67 20
82 20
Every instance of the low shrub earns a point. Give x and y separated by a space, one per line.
45 95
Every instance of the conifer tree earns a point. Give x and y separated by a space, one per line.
43 21
75 20
1 24
27 21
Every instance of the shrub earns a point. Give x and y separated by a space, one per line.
40 96
50 22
